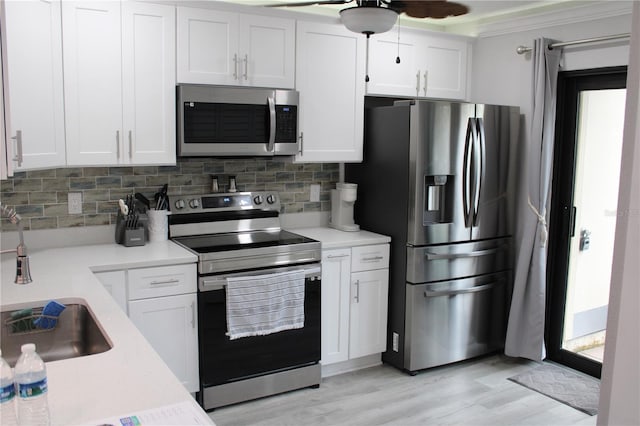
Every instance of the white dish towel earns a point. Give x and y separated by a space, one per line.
264 304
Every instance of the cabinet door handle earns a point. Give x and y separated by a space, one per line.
425 83
235 66
193 315
372 259
301 143
18 138
246 67
339 256
130 145
118 144
357 284
418 83
165 282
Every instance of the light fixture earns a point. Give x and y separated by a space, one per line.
368 19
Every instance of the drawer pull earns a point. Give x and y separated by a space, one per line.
166 282
463 291
338 256
372 259
450 256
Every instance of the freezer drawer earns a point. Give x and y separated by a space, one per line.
455 320
461 260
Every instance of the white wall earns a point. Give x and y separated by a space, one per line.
620 389
501 76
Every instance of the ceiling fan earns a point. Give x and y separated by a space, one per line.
378 16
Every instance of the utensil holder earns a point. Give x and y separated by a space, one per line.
158 225
131 237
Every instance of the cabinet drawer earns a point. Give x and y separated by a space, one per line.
365 258
162 281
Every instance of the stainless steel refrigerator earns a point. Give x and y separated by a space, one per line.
439 178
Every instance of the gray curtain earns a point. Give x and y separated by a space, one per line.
525 329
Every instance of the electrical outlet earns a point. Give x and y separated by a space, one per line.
395 342
314 192
75 202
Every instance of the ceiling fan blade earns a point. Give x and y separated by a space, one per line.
437 9
309 3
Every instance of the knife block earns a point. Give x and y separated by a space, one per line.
130 237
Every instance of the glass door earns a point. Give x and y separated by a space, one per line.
586 177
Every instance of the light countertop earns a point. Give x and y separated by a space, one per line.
128 378
333 238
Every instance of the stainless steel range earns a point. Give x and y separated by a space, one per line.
239 235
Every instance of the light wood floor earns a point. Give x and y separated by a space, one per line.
475 392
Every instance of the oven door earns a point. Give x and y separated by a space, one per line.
224 361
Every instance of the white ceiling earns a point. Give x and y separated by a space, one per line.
481 11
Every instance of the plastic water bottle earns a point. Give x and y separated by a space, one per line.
7 395
31 379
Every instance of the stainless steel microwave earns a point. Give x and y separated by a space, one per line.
236 121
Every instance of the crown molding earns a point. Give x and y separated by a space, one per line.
563 14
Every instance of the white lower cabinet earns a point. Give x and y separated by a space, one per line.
162 303
355 285
368 314
336 274
116 284
171 327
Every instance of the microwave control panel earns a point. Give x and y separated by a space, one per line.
286 123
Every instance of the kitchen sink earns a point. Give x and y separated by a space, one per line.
76 334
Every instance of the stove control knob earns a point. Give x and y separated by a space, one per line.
179 204
271 198
258 199
194 204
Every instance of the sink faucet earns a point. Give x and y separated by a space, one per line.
23 273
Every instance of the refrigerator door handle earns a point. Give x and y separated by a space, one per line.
476 253
479 157
461 291
466 172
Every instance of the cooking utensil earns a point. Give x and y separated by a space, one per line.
123 207
144 200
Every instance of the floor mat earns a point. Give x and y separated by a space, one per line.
574 389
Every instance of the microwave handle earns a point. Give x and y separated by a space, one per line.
272 123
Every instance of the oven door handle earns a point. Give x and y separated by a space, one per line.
219 282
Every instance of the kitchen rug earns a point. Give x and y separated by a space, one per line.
574 389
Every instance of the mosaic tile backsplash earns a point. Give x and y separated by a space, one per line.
40 197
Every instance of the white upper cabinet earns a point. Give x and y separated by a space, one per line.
149 80
386 75
330 78
93 82
32 68
119 83
216 47
429 67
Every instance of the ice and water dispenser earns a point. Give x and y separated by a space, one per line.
438 199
